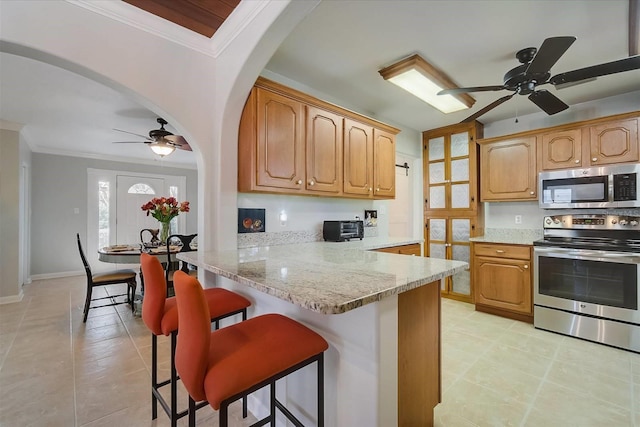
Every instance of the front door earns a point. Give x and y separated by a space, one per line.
131 193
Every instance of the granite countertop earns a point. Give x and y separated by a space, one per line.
514 236
327 277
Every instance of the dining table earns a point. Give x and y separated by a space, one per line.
130 254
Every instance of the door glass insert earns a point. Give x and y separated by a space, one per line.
460 170
436 173
460 144
436 148
460 196
437 197
437 229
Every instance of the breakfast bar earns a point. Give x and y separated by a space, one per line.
380 312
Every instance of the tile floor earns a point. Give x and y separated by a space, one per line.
57 371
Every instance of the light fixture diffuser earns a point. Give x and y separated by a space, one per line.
162 147
418 77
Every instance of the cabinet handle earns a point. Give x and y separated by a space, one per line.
370 189
532 192
594 159
499 251
577 161
299 182
526 266
311 183
377 188
473 199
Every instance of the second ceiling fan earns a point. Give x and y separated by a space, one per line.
534 71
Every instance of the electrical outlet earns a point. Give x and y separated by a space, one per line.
518 219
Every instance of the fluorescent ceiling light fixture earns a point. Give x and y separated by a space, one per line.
418 77
162 147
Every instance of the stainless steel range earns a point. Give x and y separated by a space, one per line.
586 272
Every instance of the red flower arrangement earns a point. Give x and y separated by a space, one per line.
165 209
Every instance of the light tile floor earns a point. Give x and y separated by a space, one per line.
57 371
501 372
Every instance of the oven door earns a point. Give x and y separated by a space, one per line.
597 283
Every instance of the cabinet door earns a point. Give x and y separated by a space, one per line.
323 151
448 238
358 158
450 169
384 164
508 170
503 283
459 247
280 141
614 142
561 150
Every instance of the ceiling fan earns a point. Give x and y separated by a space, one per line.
161 141
534 71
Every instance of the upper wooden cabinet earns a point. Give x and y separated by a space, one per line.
508 169
614 142
561 149
292 143
384 164
605 143
451 168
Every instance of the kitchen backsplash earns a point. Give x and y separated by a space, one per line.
289 237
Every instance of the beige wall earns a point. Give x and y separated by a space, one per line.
9 215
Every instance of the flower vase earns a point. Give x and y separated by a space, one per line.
164 232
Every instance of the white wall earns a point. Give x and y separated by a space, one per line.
10 287
502 214
59 184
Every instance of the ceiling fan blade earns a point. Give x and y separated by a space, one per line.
458 90
131 133
179 142
549 53
613 67
488 108
130 142
548 102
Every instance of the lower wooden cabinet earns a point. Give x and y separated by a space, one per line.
413 249
502 279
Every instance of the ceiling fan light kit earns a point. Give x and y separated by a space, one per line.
534 71
423 80
162 148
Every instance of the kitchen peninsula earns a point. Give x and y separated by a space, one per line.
380 312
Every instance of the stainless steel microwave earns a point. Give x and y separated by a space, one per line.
598 187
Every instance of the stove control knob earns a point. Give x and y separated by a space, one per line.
623 222
633 223
614 221
556 221
547 221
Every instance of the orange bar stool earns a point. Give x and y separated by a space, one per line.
230 363
160 314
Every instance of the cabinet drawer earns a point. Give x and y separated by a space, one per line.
502 251
413 249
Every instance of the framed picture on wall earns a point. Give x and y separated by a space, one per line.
370 218
251 220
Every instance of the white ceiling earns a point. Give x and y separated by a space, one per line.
337 50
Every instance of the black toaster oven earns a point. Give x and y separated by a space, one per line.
340 231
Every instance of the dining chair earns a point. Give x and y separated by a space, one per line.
114 277
230 363
149 237
184 242
160 314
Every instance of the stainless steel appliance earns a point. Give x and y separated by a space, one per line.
339 231
586 272
602 187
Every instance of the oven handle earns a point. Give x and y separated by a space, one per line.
590 255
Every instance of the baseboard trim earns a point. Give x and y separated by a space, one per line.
12 298
56 275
